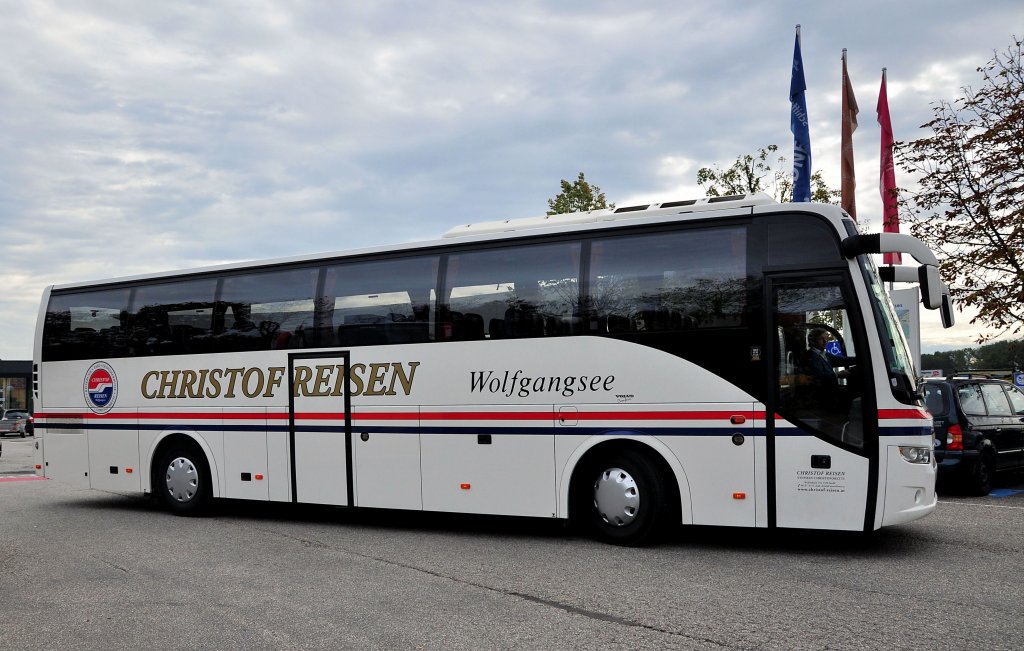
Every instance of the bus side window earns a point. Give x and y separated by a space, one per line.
378 302
87 325
668 281
512 292
174 318
267 310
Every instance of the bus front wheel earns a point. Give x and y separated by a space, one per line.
625 498
182 480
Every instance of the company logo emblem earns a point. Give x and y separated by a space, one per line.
100 387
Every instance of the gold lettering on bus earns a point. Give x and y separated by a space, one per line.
254 373
232 374
321 387
275 375
376 387
356 384
322 380
148 393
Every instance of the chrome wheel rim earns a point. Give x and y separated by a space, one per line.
616 497
182 479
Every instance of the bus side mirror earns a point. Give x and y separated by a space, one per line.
931 286
946 310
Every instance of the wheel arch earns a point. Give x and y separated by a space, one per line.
608 443
171 437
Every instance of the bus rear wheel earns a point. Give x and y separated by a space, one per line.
182 480
625 498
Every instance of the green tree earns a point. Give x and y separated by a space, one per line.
754 173
949 361
969 201
579 196
1004 355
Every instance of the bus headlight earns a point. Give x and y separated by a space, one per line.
914 454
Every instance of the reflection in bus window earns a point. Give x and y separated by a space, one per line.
668 281
513 292
173 318
86 325
818 384
267 310
378 302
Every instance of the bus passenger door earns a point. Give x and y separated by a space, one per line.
823 453
319 428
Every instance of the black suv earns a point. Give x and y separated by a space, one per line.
979 429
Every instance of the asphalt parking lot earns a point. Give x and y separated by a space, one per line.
83 569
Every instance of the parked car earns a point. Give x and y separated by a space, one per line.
979 429
16 421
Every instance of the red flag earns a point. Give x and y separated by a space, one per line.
850 110
887 175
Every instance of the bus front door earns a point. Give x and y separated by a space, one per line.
820 446
319 428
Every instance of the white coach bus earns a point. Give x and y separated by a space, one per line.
629 369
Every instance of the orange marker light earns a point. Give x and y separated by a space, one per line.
739 496
259 477
464 487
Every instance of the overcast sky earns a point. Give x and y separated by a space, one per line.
140 137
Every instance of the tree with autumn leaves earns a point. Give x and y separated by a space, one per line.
578 196
968 203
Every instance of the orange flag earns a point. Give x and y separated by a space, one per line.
849 179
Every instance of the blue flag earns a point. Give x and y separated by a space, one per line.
798 124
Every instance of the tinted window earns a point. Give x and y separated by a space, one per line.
995 400
936 399
668 281
816 385
801 239
1016 400
86 325
173 318
970 399
378 302
521 291
268 310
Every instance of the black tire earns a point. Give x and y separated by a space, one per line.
181 480
983 475
625 498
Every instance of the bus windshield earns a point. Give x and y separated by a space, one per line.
898 360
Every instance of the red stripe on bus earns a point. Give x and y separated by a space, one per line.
917 414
